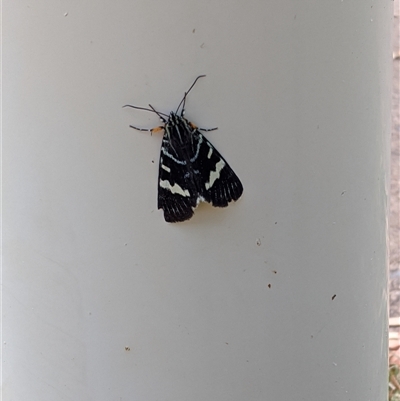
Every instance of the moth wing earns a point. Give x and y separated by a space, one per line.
218 184
177 192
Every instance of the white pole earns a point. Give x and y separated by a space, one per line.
280 296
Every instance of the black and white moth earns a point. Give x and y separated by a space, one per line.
191 170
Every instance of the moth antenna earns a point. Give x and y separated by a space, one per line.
158 113
152 109
183 101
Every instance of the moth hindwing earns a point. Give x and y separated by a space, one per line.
191 170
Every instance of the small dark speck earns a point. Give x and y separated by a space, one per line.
274 271
312 336
227 343
202 45
269 285
258 242
333 297
152 161
343 193
194 30
127 348
295 16
276 222
126 244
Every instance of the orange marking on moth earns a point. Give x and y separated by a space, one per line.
192 125
156 130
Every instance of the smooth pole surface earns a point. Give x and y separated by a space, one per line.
282 295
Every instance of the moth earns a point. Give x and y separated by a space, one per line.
191 170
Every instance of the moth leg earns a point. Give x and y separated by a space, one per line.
155 130
140 129
207 129
202 129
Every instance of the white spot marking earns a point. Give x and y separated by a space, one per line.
210 152
214 175
175 189
166 168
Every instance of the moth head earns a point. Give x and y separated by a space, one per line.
173 118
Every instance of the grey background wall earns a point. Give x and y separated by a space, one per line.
279 296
